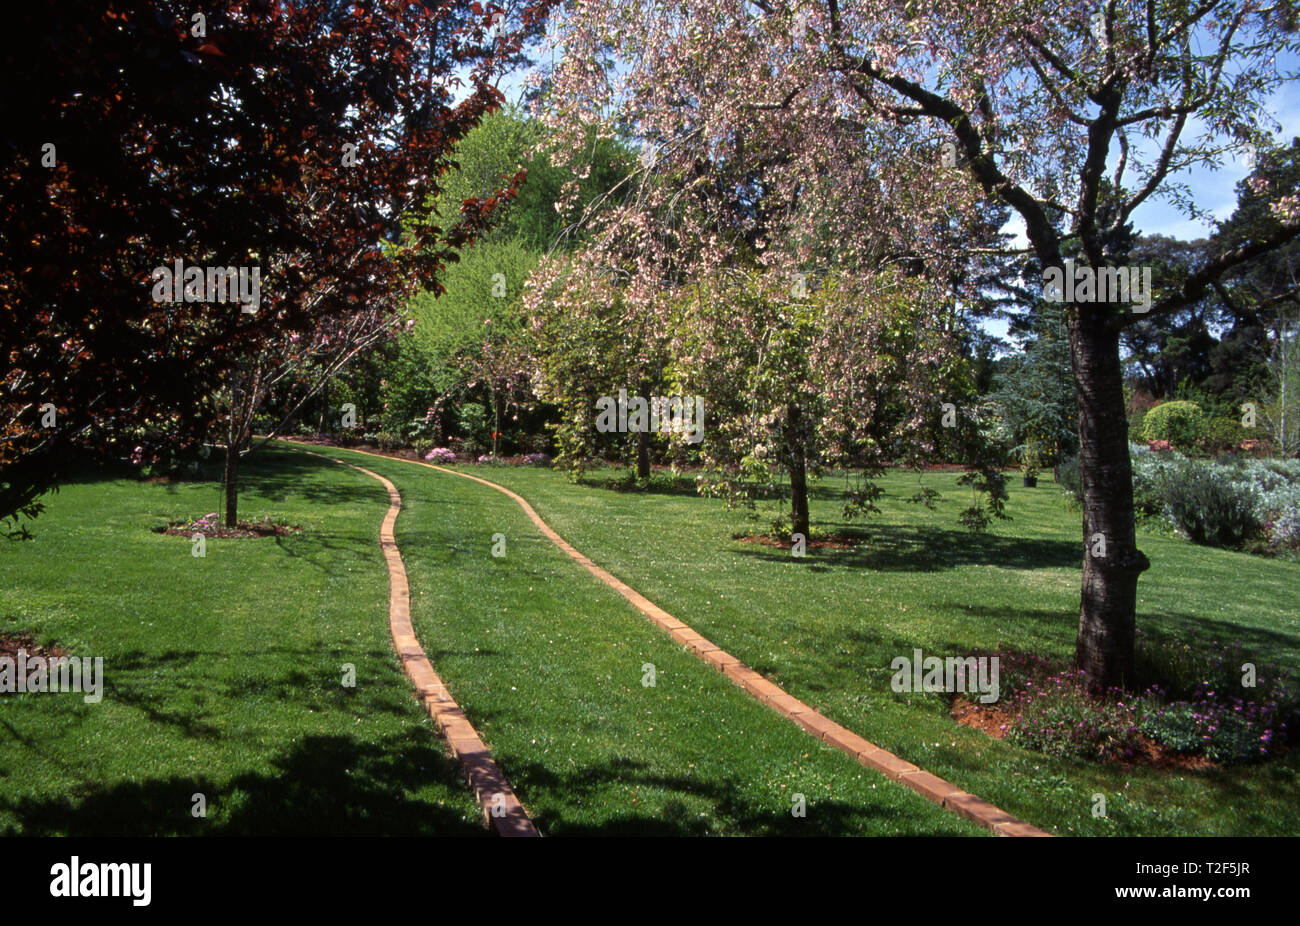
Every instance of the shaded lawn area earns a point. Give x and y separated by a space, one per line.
223 673
549 665
827 626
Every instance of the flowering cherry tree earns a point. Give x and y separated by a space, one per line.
846 375
750 179
791 130
589 339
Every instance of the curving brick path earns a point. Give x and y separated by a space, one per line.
931 787
501 808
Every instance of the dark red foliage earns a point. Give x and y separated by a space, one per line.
219 149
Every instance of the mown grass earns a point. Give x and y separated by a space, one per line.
224 674
827 626
550 666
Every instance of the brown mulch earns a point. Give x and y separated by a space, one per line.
992 719
11 643
831 542
245 529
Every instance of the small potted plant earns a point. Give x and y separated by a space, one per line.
1031 464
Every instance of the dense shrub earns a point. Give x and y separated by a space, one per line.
1180 423
1269 489
1068 476
1222 434
1136 419
473 421
1151 475
1226 503
1283 530
408 387
1209 507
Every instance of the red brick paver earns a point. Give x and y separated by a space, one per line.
867 753
501 808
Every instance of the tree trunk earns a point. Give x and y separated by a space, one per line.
325 407
643 441
496 421
798 473
235 429
1111 560
230 485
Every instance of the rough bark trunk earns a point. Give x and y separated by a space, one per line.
798 474
1111 561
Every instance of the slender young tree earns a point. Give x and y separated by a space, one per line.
291 369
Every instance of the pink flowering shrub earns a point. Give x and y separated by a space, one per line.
204 525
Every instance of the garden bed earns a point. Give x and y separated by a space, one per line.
11 643
1190 709
262 528
996 720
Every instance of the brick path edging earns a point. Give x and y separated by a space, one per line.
501 808
929 786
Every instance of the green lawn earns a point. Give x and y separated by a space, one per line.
548 663
223 674
224 678
826 627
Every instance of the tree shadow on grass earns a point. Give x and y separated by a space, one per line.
659 484
180 703
322 786
1206 633
278 476
273 476
908 548
731 807
1281 650
310 547
829 489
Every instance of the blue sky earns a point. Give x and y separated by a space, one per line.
1213 190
